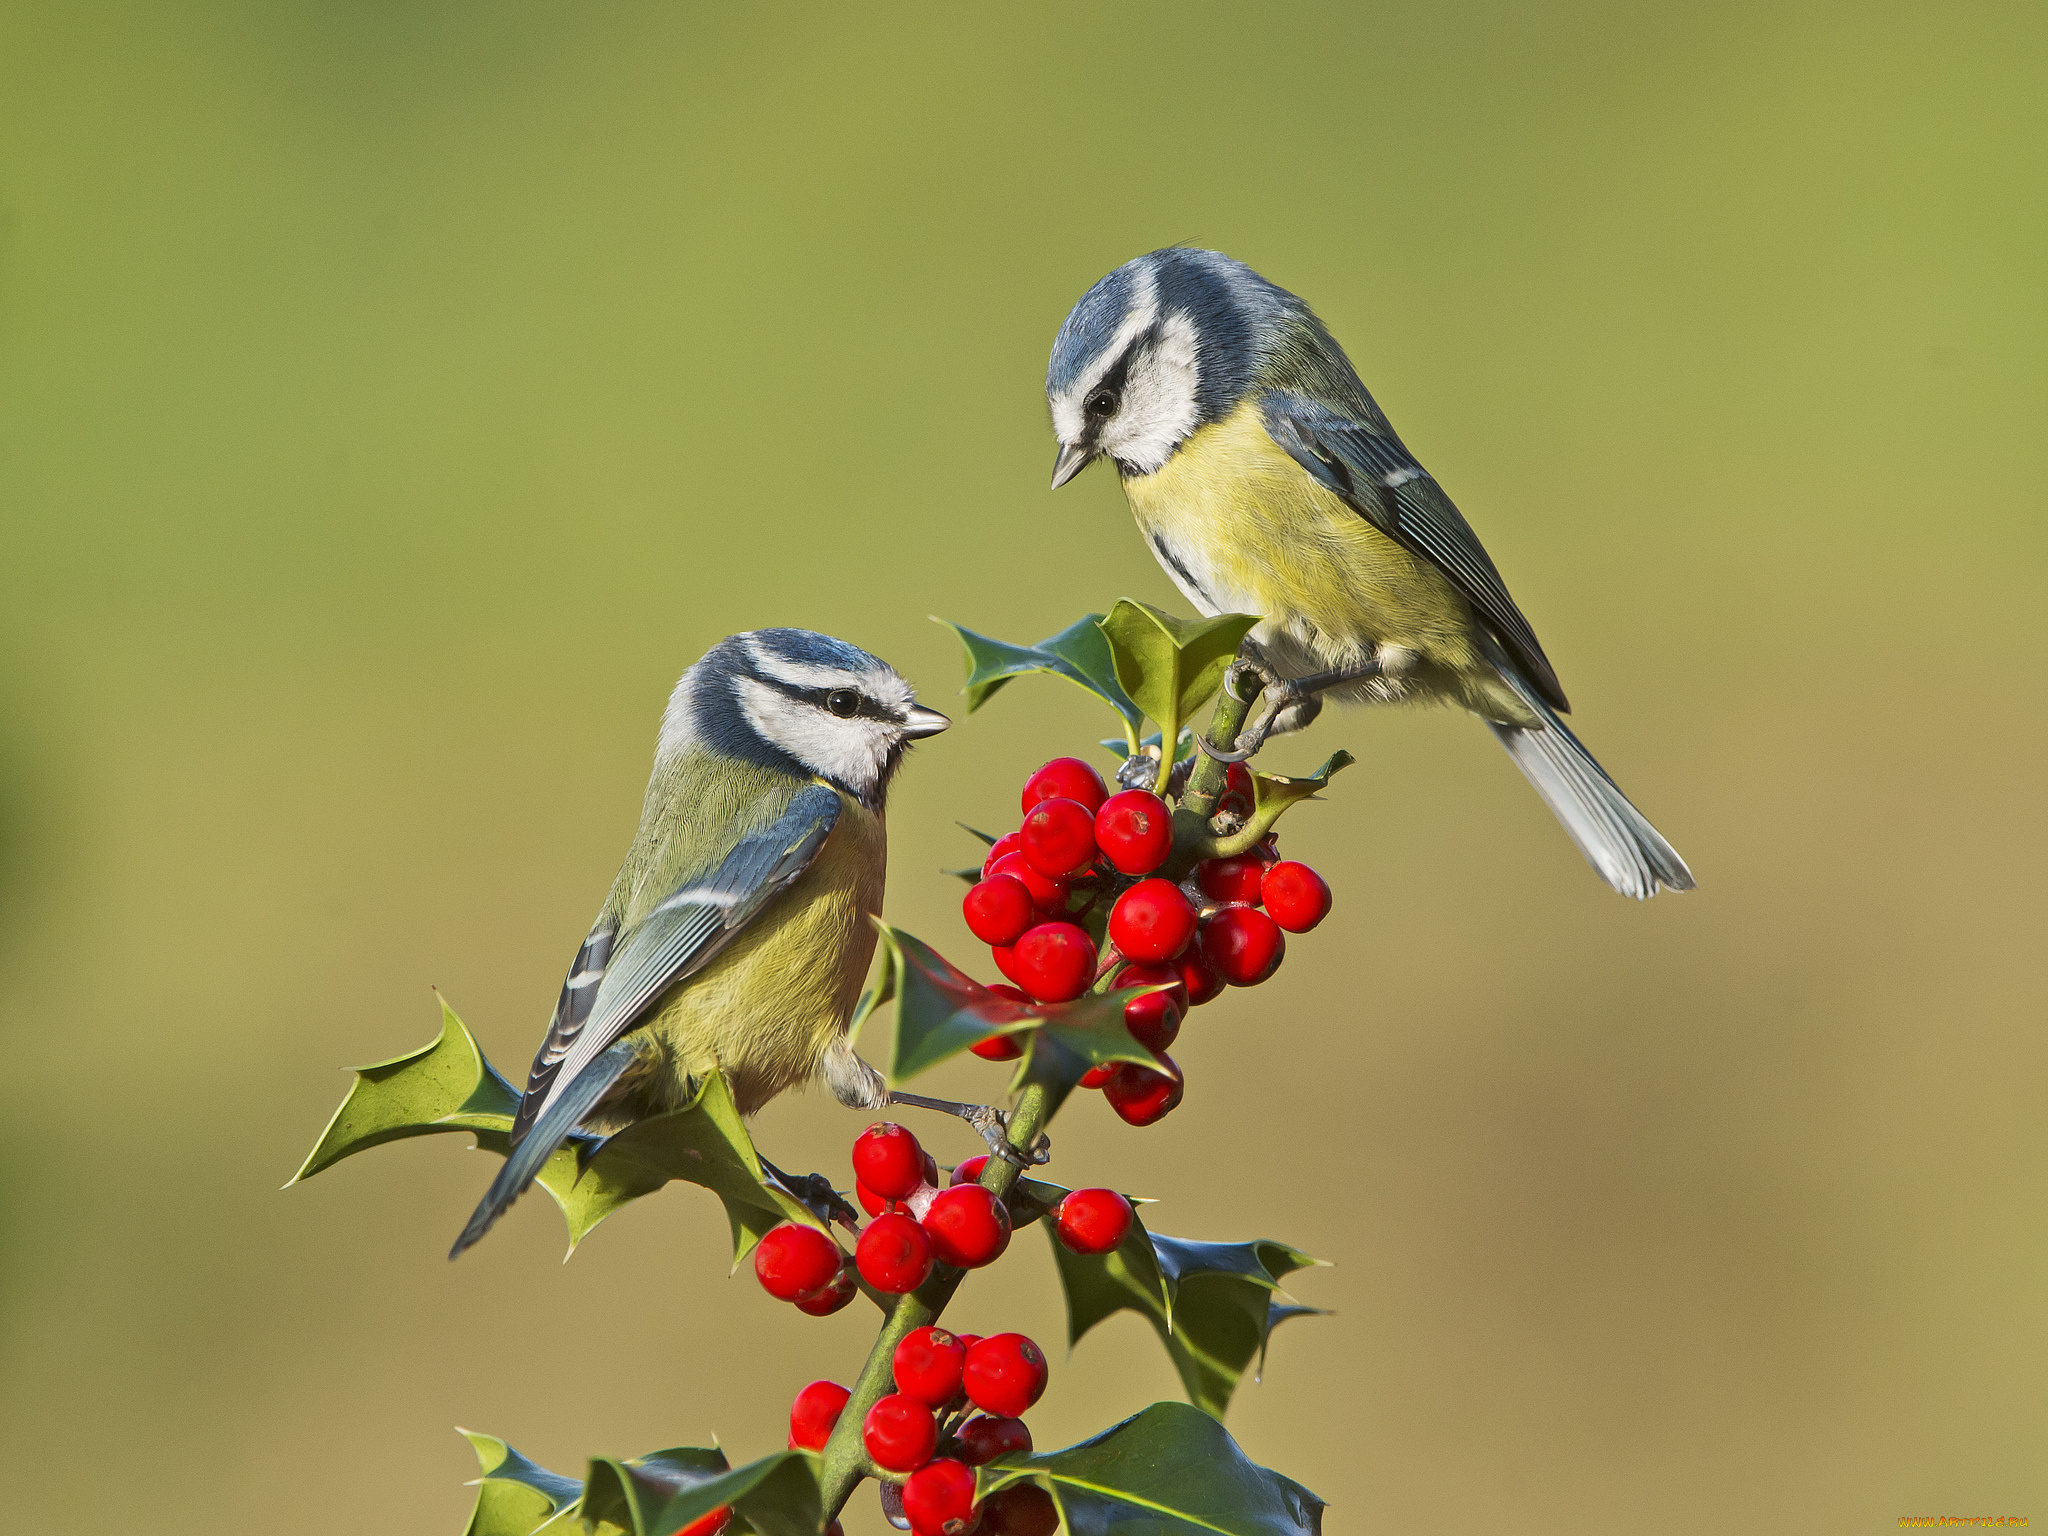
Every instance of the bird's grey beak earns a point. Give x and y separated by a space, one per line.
919 722
1072 460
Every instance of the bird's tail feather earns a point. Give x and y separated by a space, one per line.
1616 838
575 1100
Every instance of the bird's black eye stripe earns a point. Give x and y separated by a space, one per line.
1102 401
846 703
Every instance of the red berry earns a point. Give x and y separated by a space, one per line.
1142 1096
1154 1019
708 1524
1152 921
1047 895
1244 945
1066 778
814 1413
970 1339
1022 1509
1237 780
1054 962
870 1202
894 1254
1134 830
1096 1076
793 1260
1005 1375
983 1439
831 1296
998 909
1296 896
1001 1047
939 1498
900 1433
887 1159
931 1173
928 1364
1059 838
998 1048
1092 1220
1234 880
1199 977
968 1226
969 1172
1009 842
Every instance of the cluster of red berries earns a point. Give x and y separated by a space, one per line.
928 1432
916 1224
1080 846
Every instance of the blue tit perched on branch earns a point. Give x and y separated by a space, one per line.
1268 481
737 934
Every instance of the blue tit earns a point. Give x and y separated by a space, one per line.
1267 481
737 935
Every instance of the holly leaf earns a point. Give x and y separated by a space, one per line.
449 1086
514 1497
1171 667
660 1493
1274 793
1078 653
1212 1304
941 1011
1169 1471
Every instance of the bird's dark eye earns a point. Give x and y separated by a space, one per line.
843 702
1101 405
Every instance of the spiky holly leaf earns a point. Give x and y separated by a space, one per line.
661 1493
1169 1471
1274 793
1078 653
449 1086
514 1497
1171 667
1212 1304
941 1011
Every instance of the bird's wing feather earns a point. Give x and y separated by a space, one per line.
1381 481
618 974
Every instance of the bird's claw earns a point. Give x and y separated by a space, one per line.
1139 770
993 1126
814 1192
1275 695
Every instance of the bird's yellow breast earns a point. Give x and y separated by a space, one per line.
767 1008
1241 527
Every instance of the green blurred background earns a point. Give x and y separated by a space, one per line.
395 397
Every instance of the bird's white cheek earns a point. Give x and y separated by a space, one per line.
1159 409
852 752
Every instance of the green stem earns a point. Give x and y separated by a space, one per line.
846 1461
1206 781
1192 839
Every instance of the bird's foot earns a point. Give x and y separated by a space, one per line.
989 1123
1299 698
1140 770
814 1192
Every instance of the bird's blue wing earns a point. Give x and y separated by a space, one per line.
679 936
619 972
1381 481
